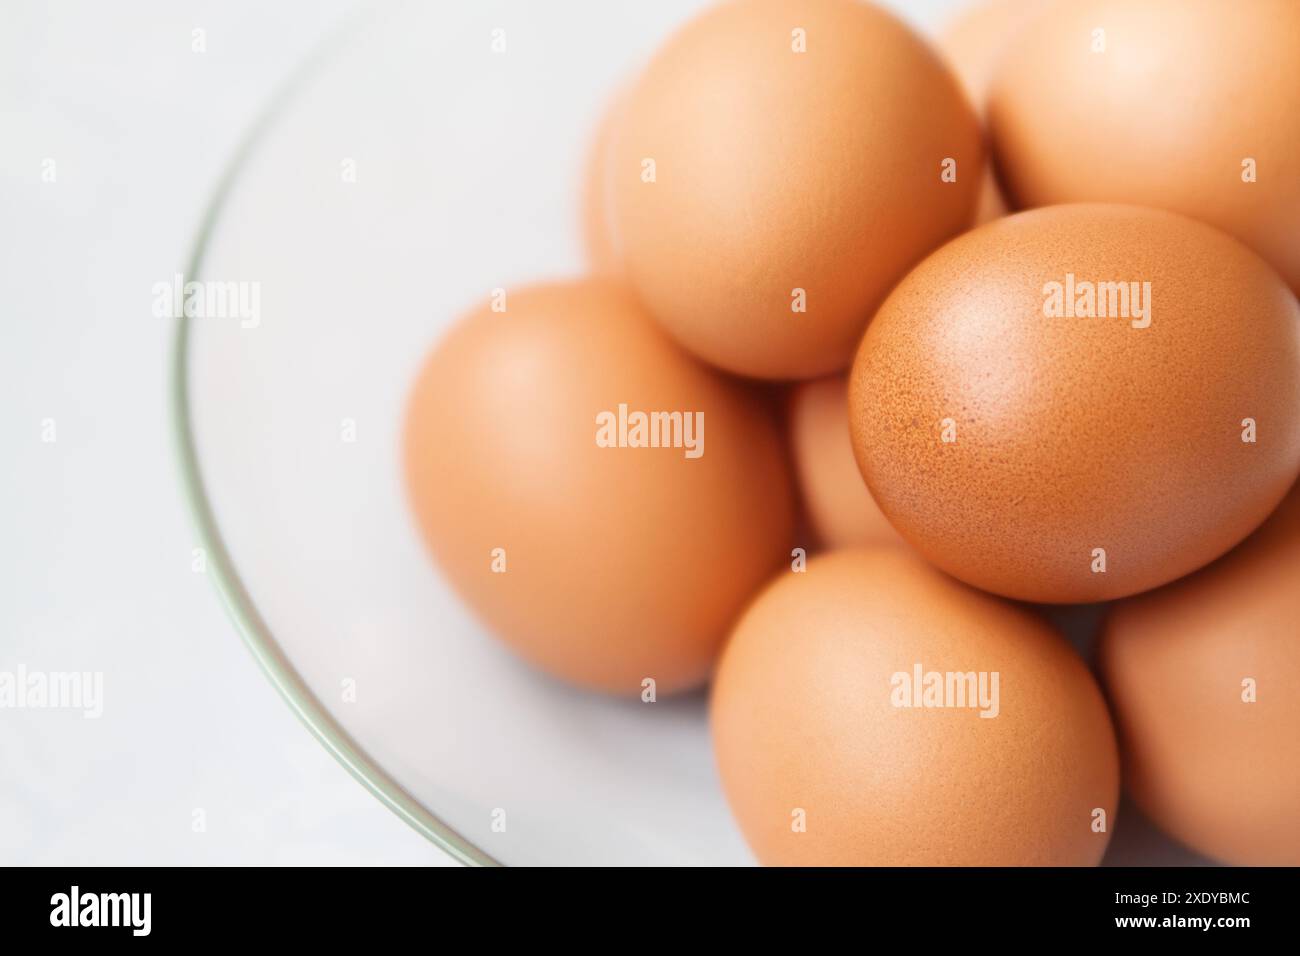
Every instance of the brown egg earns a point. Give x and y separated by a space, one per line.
839 508
1067 458
972 43
776 168
597 558
992 204
603 257
1188 105
1204 678
832 752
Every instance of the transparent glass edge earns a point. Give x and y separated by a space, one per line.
239 606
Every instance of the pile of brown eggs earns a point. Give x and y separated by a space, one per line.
826 414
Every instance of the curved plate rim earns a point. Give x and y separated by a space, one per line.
248 621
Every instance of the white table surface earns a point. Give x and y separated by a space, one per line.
95 562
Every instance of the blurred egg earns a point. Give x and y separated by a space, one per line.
603 258
972 43
992 204
872 712
776 168
1204 679
597 558
1080 402
838 505
1188 105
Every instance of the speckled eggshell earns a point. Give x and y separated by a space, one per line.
821 768
1213 769
837 504
620 563
1163 107
796 177
1079 439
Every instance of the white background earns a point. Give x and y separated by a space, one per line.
95 544
94 539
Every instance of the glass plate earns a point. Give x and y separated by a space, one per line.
408 170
